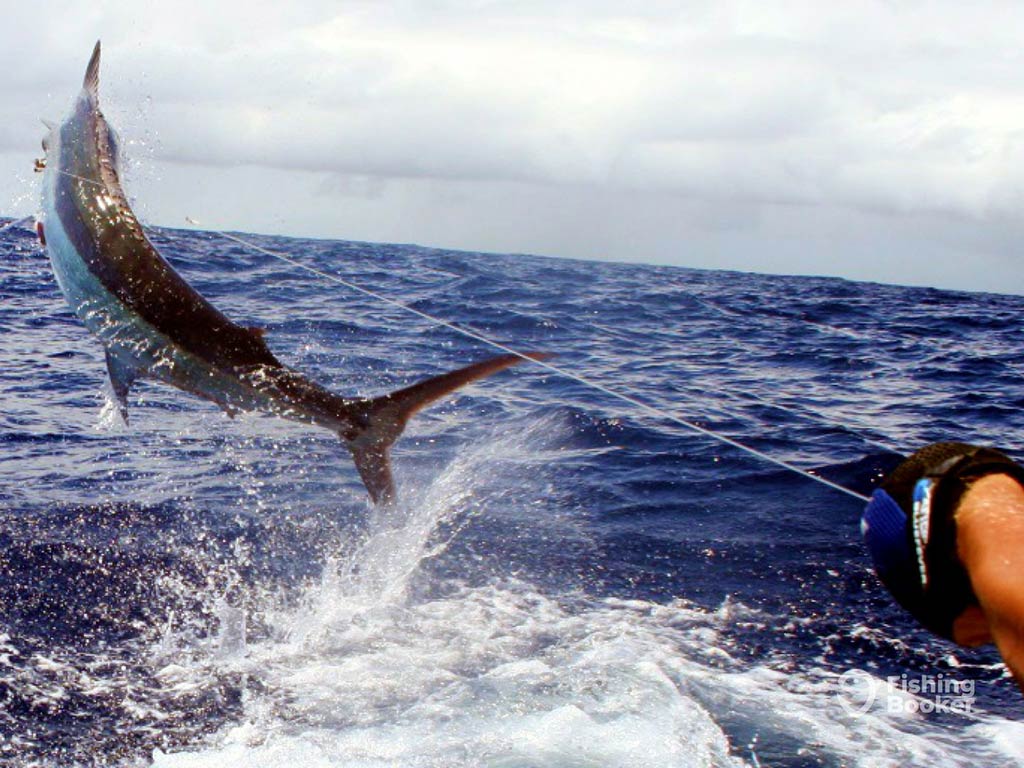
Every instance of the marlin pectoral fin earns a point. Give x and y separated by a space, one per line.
121 379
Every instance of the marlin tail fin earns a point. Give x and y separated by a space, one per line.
385 417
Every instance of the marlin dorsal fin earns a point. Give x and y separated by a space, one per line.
91 83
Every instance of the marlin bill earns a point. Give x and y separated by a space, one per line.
154 325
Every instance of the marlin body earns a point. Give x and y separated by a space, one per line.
153 324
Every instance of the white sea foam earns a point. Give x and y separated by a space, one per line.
367 672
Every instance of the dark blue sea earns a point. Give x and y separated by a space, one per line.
567 581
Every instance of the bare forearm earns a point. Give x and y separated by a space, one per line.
990 525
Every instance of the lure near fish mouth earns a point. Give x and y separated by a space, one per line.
153 324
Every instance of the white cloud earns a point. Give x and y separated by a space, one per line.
727 111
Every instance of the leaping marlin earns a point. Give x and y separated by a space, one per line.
154 324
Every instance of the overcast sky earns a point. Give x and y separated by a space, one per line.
879 141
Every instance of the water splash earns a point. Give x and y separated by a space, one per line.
373 575
370 671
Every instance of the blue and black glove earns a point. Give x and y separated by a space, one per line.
910 529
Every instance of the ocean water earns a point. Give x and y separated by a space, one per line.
567 581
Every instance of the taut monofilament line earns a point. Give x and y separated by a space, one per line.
477 335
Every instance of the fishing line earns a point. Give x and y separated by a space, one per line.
866 439
473 333
95 183
750 397
453 276
814 417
